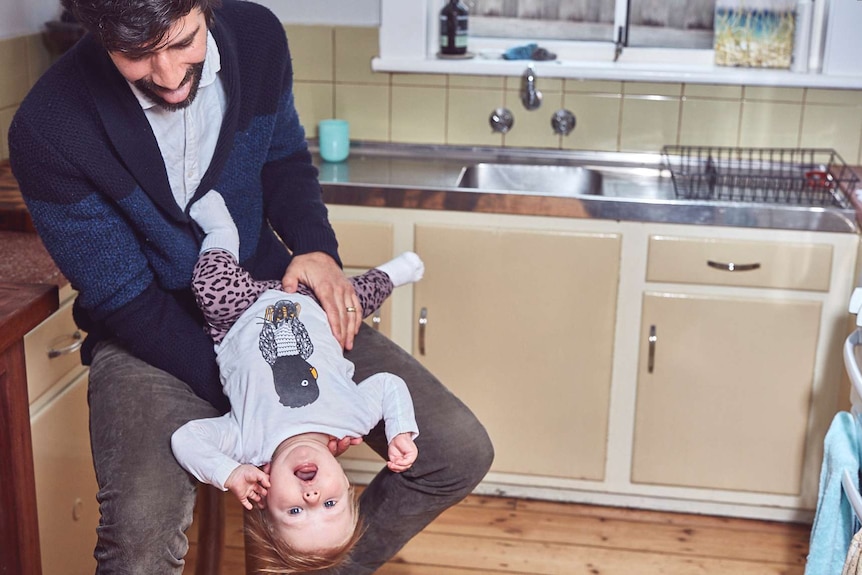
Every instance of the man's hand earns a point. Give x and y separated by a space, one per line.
402 452
322 275
339 446
248 483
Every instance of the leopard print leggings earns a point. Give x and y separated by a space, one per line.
223 290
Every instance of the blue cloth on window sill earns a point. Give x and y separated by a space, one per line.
530 51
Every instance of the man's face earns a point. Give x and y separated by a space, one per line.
169 74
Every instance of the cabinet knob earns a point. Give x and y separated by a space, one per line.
375 320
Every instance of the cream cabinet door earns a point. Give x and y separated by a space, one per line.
65 483
362 246
724 392
520 325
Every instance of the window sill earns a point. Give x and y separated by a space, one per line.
635 71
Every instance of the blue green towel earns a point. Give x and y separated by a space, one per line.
834 521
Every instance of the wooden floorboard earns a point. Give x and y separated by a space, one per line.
506 536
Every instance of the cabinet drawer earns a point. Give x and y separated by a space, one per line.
51 351
739 263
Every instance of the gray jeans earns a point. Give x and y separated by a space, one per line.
146 499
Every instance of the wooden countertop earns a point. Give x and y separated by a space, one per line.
23 307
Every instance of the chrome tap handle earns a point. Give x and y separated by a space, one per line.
563 122
501 120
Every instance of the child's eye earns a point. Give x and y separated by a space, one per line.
330 503
295 510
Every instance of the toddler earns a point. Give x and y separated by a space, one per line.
291 393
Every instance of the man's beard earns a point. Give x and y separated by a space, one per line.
151 90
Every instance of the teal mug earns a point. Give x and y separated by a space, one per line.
334 140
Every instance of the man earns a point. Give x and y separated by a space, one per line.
161 102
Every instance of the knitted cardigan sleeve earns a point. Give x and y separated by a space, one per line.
96 249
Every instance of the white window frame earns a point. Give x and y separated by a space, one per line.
409 36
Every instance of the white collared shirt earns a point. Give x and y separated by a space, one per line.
187 138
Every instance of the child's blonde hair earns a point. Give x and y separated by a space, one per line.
274 555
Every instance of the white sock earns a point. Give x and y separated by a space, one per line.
406 268
212 215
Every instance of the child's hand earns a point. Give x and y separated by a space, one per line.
339 446
249 484
402 452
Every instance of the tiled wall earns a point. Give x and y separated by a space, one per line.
334 79
22 61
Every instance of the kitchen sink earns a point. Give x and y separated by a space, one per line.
542 179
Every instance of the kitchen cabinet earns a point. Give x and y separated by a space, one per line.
65 481
362 246
724 381
520 325
723 392
542 325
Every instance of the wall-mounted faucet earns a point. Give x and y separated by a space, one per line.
530 96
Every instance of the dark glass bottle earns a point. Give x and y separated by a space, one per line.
453 29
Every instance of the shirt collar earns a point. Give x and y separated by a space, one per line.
212 66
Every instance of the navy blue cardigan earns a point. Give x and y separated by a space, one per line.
95 183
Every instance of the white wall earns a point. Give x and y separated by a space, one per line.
20 17
334 12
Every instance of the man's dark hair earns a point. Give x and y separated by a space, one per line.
134 26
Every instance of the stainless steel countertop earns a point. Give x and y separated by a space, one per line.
635 187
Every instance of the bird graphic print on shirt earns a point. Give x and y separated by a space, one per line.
286 345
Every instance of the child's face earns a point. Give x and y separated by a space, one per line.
309 499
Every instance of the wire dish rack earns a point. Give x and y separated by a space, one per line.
788 176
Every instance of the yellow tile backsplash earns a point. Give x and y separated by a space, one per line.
710 122
366 107
597 121
648 123
467 120
333 77
354 49
312 52
833 127
314 101
712 91
419 114
15 79
770 124
532 128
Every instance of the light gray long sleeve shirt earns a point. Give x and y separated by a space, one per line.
277 352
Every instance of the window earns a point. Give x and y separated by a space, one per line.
637 40
665 24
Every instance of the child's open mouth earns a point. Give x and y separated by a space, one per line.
306 472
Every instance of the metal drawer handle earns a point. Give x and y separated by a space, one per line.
375 320
651 356
732 267
77 342
423 321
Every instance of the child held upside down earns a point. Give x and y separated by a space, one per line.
291 392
